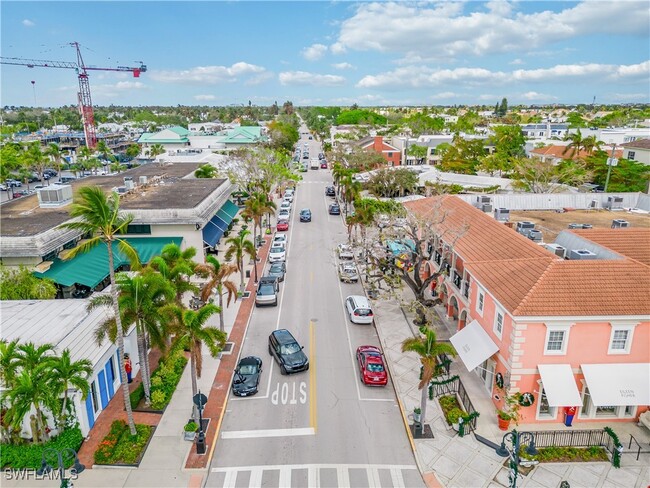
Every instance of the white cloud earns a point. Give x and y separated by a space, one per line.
28 23
342 66
444 95
444 30
205 97
208 75
258 79
314 52
425 77
533 96
516 62
313 79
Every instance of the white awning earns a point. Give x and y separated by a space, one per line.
473 345
618 384
559 385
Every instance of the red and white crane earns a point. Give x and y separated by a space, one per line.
84 98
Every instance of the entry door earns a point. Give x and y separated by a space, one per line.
101 379
486 372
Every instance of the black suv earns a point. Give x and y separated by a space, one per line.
330 191
334 209
287 352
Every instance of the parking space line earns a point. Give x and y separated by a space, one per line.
313 419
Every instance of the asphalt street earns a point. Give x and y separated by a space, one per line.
321 427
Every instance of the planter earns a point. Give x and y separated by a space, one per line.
503 424
455 426
417 417
189 436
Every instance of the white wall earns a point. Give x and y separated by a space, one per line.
191 236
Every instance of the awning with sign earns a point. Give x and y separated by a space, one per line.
618 384
559 385
473 345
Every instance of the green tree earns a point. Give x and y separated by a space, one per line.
177 266
35 160
536 176
21 284
238 247
206 171
66 373
626 176
255 208
427 347
133 151
424 124
99 216
351 190
190 325
218 281
156 150
9 362
54 153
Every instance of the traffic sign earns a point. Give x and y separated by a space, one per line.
200 400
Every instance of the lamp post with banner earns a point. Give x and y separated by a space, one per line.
200 400
515 438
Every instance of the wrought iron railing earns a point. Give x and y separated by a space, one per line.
455 387
571 438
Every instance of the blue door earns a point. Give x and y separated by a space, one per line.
109 377
101 379
118 371
89 411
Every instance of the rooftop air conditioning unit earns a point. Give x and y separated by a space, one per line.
55 196
128 178
524 227
143 180
535 235
129 184
120 190
614 202
486 207
582 254
481 199
502 214
556 249
618 223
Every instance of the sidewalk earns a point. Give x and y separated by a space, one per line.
452 461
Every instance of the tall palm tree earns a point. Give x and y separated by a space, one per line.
576 144
99 216
32 389
428 348
141 299
206 171
255 208
351 190
217 274
31 356
190 324
177 266
238 247
66 373
156 150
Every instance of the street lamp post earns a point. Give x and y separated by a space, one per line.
515 438
59 457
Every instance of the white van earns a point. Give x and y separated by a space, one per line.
358 309
314 163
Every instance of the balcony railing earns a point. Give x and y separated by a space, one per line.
466 289
438 258
458 280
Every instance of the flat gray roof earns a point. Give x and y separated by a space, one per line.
23 217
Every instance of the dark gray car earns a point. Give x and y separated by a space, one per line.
287 352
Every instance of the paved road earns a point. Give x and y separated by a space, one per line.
321 427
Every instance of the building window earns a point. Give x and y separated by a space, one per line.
111 366
138 229
557 338
93 393
631 155
620 340
481 303
498 324
545 411
390 154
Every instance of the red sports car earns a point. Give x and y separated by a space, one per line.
283 225
371 366
323 165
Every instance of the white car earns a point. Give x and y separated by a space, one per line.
288 196
345 251
283 215
285 205
277 253
280 238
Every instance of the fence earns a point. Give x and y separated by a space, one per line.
571 438
454 386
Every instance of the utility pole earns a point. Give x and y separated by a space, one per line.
611 161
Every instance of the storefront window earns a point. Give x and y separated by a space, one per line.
545 410
606 411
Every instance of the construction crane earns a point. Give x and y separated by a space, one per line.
84 98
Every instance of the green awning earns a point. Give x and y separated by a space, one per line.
230 208
91 268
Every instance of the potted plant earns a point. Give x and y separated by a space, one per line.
190 430
417 414
510 411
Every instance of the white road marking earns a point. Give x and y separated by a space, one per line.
277 467
397 478
250 434
285 477
255 479
230 479
343 477
373 477
313 476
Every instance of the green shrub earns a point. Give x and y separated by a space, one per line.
165 379
158 400
156 381
31 455
136 395
120 447
565 454
453 415
191 427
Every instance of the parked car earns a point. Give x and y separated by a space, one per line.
288 195
348 272
267 291
358 309
323 164
283 225
321 156
20 193
305 215
283 214
3 187
345 251
246 379
303 168
287 352
334 209
371 366
13 183
330 191
281 238
285 205
278 270
277 253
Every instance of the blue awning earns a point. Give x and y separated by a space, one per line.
218 224
212 233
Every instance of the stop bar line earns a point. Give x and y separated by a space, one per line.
248 434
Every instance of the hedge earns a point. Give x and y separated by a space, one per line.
31 455
165 379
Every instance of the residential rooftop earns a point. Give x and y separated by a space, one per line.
632 242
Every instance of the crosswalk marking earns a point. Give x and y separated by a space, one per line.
256 473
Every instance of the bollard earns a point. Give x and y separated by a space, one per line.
200 443
418 429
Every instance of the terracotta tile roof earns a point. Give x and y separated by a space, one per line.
530 281
561 152
633 242
638 144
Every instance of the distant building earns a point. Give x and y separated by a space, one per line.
392 154
638 150
545 131
179 139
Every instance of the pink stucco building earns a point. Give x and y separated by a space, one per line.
572 332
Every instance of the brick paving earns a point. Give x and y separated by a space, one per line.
218 396
115 411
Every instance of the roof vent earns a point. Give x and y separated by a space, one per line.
580 226
55 196
582 254
618 223
556 249
535 235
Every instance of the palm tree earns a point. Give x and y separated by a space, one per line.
8 362
206 171
190 324
217 274
141 299
65 373
576 144
31 357
238 247
351 190
156 150
255 208
99 216
176 266
428 348
32 389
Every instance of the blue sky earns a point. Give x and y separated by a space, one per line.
332 53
